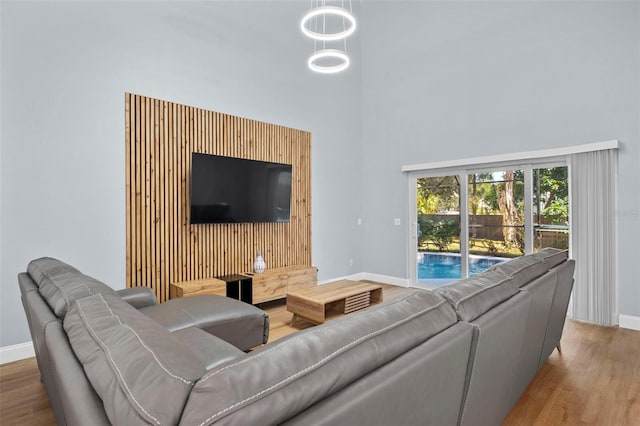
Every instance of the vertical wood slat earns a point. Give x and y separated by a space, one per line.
161 245
144 131
128 197
137 194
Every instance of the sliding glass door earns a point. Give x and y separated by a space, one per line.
438 229
467 221
496 217
551 207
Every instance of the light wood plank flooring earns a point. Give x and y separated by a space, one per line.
595 381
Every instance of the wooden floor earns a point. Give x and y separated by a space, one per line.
595 381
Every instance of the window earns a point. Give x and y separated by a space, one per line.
559 211
551 208
438 229
470 220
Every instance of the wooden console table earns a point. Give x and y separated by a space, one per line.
270 285
195 287
274 284
318 302
239 287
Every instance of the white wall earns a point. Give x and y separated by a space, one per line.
453 80
66 67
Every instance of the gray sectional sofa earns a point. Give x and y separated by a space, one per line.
461 354
213 329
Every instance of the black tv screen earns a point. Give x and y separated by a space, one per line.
236 190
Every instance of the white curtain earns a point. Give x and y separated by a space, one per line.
594 236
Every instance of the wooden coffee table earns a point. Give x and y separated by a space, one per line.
318 302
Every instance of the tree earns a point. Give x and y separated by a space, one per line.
552 194
493 193
511 218
438 232
478 189
438 194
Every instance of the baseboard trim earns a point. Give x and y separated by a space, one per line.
346 277
630 322
16 352
386 279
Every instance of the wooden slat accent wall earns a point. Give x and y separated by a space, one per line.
162 246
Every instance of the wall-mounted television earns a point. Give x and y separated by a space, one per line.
236 190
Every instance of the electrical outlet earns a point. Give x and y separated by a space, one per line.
396 221
350 262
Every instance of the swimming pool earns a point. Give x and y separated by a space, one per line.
448 265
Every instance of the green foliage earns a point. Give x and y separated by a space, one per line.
557 211
480 193
438 194
437 232
552 195
551 206
484 192
492 194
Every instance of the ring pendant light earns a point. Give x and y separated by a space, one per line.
328 53
323 12
322 24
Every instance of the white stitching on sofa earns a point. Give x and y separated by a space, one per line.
115 366
188 382
323 360
261 354
526 266
313 331
56 288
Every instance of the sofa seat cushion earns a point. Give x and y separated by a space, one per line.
233 321
209 349
142 372
473 296
275 382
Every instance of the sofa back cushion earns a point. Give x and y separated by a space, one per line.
272 384
60 284
142 373
473 296
47 267
522 270
552 257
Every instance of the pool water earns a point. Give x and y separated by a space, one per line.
447 265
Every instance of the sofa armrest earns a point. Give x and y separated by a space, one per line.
138 297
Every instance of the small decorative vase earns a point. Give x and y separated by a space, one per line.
258 264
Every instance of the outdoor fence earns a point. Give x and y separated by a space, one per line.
490 227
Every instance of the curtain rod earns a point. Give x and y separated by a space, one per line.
516 156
